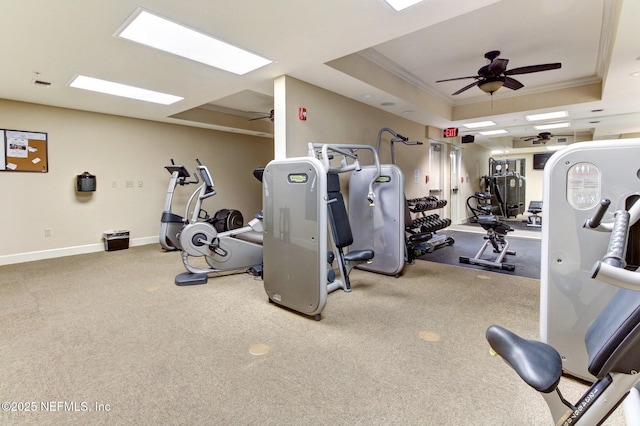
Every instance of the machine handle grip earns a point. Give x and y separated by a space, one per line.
618 241
594 222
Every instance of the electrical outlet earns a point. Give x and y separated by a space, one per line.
47 232
140 184
129 184
114 183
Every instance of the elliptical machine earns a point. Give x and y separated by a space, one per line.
496 232
171 223
227 251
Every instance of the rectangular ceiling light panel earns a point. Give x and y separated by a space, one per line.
399 5
117 89
547 116
552 126
479 124
494 132
157 32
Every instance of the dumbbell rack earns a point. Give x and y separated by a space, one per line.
425 223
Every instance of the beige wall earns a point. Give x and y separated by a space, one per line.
332 118
335 119
116 150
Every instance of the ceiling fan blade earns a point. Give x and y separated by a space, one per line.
533 68
475 83
528 139
268 115
512 84
457 78
498 66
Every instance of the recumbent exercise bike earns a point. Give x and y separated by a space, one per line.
228 251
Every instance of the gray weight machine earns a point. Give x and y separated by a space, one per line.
381 226
301 201
506 184
388 226
590 285
576 179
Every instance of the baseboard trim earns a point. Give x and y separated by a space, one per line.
11 259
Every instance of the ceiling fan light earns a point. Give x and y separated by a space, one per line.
491 86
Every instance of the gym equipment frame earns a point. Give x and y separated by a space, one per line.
496 233
228 251
171 223
298 274
612 341
575 180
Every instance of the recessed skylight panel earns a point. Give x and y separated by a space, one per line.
118 89
154 31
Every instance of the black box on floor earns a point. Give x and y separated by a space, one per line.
116 240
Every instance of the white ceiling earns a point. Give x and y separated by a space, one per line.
315 41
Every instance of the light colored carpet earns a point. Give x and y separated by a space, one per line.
111 328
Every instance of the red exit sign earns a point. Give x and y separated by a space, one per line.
450 132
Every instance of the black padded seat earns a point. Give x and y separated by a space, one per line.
358 255
537 363
420 238
341 228
613 339
488 221
535 207
492 222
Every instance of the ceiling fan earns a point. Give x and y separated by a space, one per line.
541 138
493 76
264 115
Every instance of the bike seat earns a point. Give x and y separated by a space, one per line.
537 363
